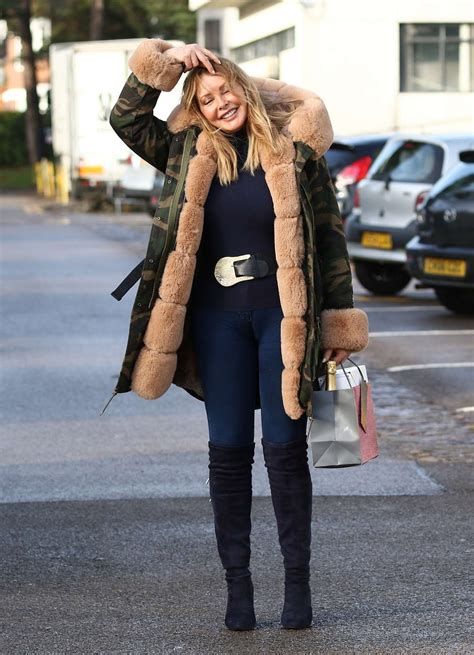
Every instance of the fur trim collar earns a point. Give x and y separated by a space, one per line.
310 124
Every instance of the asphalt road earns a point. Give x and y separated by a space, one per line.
107 543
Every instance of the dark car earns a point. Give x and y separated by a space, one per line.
442 254
348 161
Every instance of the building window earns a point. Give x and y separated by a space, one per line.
212 35
436 57
270 45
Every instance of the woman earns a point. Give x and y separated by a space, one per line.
245 289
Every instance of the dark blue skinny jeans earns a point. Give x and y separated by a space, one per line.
236 351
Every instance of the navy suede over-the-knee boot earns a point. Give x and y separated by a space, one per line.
291 488
230 490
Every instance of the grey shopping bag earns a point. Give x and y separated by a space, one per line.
342 427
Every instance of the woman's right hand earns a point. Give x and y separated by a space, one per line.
194 55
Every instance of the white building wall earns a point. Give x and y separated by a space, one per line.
348 53
275 18
355 66
349 60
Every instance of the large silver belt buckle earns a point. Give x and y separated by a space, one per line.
224 271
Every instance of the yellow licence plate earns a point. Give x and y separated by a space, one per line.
451 267
377 240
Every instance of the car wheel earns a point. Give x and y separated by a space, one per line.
381 279
459 301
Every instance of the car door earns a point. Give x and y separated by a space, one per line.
451 210
404 169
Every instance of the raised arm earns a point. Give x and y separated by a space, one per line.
156 66
133 120
154 69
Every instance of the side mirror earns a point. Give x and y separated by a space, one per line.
467 156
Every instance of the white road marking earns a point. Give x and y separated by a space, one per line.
412 308
465 409
421 333
393 299
414 367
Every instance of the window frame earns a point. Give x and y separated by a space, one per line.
270 45
212 28
406 42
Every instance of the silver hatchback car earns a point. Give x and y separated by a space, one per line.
383 219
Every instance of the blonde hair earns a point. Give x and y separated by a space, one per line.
265 119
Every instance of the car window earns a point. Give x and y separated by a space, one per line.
338 159
410 161
459 183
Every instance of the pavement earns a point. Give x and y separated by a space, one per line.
106 540
142 576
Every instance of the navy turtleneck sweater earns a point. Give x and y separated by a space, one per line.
238 219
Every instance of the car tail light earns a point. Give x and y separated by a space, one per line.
356 200
421 216
154 200
354 172
420 199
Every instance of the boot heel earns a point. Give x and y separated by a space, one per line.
297 611
240 614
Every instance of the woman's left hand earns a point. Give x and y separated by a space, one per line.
335 354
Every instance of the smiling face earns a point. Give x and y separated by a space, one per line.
224 108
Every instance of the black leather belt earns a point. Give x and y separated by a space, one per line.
231 270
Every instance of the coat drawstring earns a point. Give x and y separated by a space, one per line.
108 402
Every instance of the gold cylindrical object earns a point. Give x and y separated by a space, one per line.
331 376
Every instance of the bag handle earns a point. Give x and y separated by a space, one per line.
363 397
347 377
357 367
345 373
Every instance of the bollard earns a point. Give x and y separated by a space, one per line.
44 177
51 180
62 186
38 178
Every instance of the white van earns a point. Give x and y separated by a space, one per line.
86 80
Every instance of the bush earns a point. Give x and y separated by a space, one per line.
13 150
16 178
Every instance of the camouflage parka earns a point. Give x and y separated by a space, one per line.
313 275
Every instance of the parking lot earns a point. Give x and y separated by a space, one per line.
107 541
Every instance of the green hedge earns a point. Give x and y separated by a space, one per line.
16 178
13 150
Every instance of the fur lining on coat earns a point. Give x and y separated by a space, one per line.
155 367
